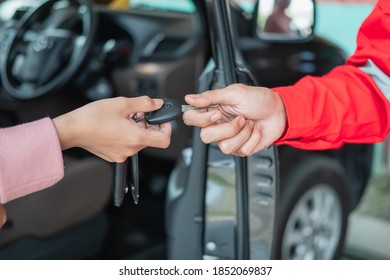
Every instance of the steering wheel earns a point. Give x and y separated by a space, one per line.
47 48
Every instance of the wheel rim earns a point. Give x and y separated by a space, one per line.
314 226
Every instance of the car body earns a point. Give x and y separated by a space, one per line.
162 50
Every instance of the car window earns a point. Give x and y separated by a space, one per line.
247 6
186 6
14 9
183 6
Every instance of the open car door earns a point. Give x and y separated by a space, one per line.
222 206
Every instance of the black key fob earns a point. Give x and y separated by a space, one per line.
119 182
168 112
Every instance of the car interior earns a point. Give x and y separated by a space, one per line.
76 218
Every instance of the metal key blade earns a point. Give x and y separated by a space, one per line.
187 107
135 178
133 163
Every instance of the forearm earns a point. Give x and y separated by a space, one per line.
345 106
30 159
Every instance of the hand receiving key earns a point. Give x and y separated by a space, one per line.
168 112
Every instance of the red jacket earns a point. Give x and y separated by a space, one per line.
349 104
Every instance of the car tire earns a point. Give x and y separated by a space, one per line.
314 209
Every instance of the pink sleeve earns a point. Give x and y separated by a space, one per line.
30 159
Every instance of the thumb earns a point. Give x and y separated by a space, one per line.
142 104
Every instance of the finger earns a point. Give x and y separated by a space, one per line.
224 96
219 132
198 100
249 147
233 144
142 104
164 128
201 119
261 146
158 136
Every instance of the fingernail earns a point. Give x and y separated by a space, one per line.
190 96
158 102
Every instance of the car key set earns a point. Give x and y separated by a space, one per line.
170 110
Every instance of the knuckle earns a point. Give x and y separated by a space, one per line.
118 158
236 127
237 87
121 99
186 119
204 136
245 152
225 148
147 101
192 118
122 158
166 143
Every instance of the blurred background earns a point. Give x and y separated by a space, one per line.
133 228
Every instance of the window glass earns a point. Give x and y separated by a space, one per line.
246 5
184 6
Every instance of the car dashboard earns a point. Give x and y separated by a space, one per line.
140 50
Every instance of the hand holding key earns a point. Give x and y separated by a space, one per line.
247 120
105 129
126 174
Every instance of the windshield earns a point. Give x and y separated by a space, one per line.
247 6
15 8
183 6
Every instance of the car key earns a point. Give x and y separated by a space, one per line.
125 175
134 186
169 111
120 184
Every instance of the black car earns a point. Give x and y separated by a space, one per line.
195 201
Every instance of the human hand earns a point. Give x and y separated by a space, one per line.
105 128
248 119
3 215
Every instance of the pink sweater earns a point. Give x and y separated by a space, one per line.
30 159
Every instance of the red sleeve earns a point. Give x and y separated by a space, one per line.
345 105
